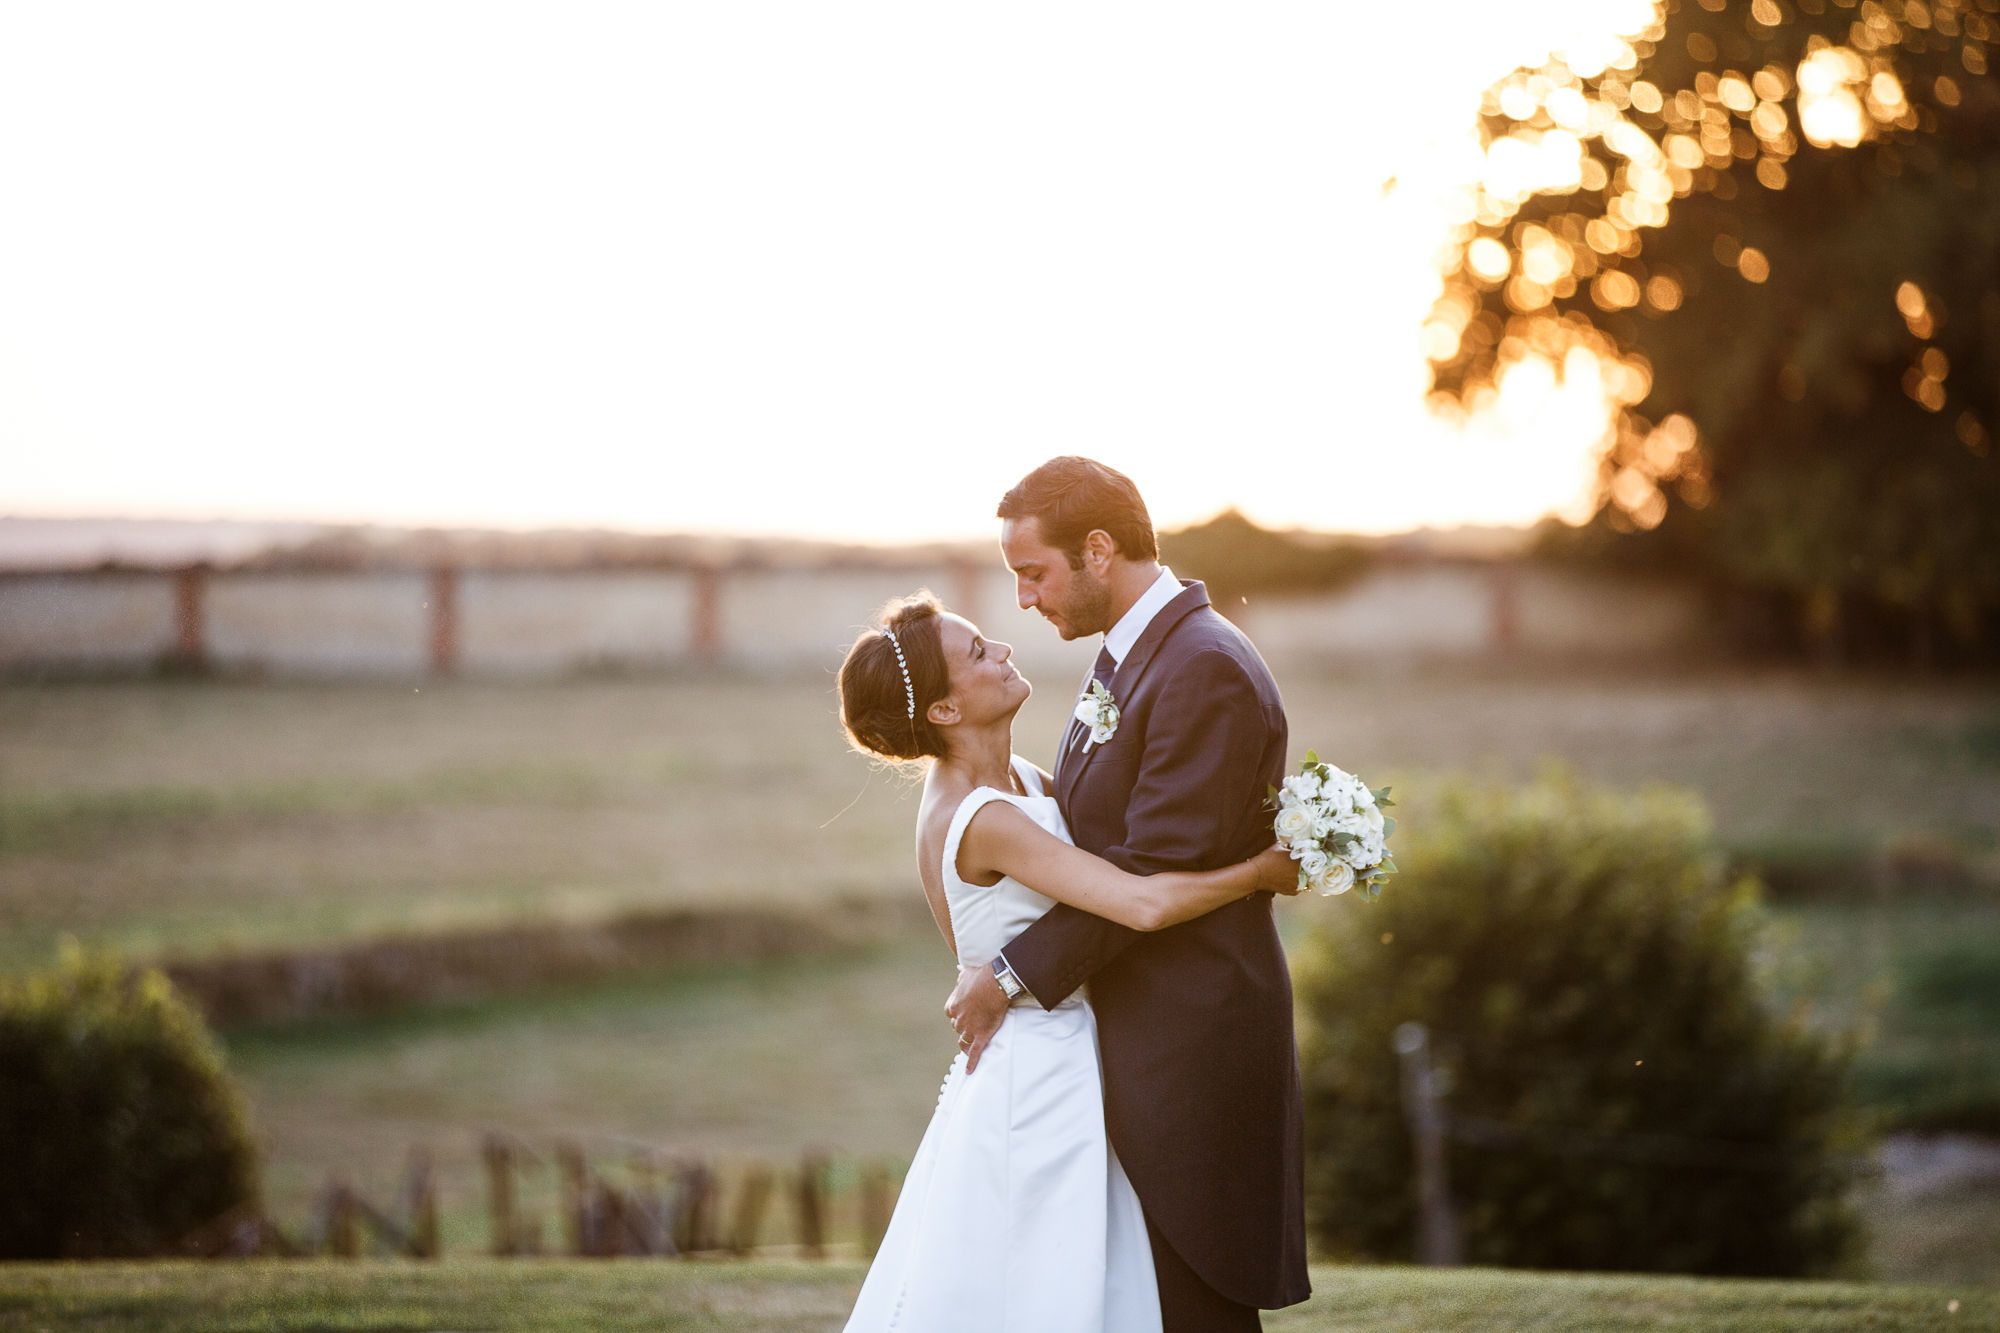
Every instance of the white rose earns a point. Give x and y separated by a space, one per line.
1371 820
1305 786
1098 711
1337 877
1313 861
1295 825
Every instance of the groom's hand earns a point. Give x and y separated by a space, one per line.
975 1009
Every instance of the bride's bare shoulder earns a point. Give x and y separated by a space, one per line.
943 793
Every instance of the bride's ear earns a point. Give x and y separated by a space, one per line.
943 713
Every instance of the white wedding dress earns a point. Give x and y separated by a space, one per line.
1015 1216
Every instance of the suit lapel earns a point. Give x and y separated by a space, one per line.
1070 767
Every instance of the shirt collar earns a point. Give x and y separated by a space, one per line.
1121 636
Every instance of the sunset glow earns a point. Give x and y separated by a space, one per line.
844 274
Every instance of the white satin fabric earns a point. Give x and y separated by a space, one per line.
1016 1216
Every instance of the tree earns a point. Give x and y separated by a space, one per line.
1805 336
1237 559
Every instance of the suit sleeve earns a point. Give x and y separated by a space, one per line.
1187 812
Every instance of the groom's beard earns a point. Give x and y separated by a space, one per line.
1086 606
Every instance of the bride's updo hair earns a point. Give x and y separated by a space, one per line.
874 706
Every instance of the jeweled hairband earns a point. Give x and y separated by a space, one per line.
908 688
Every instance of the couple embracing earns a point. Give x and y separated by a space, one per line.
1118 1147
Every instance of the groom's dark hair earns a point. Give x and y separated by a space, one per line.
1071 497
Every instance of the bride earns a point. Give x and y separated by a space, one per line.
1015 1216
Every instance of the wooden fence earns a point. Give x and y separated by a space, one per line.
628 1200
524 623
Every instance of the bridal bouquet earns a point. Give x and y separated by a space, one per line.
1333 826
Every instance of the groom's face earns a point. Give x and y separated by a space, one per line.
1076 601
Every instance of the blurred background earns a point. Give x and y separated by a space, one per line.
446 455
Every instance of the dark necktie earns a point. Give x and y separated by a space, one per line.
1101 671
1105 669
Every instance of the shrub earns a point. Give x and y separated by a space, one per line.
1582 963
122 1132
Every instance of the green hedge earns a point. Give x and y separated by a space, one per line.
122 1132
1582 961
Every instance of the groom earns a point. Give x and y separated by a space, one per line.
1201 1077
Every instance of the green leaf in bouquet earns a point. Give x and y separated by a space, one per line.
1381 796
1388 826
1338 842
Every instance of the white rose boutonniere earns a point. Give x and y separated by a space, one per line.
1098 711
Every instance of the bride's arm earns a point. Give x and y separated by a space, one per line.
1001 840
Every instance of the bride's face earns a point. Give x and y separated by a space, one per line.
984 684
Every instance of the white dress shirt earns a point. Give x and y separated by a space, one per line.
1121 636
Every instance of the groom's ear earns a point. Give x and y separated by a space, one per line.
1098 548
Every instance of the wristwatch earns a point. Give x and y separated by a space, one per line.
1010 985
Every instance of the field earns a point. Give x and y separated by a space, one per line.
730 1063
767 1298
196 817
187 819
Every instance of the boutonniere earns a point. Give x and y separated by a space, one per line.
1098 711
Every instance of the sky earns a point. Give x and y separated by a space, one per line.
836 271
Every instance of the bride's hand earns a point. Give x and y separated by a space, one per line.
1276 871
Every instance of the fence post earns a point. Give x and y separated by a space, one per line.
706 630
651 1205
444 620
874 1207
417 1208
751 1197
499 1156
812 1206
577 1209
191 615
343 1235
695 1229
1438 1241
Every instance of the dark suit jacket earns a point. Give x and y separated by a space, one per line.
1201 1075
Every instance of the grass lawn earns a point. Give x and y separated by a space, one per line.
191 817
659 1297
